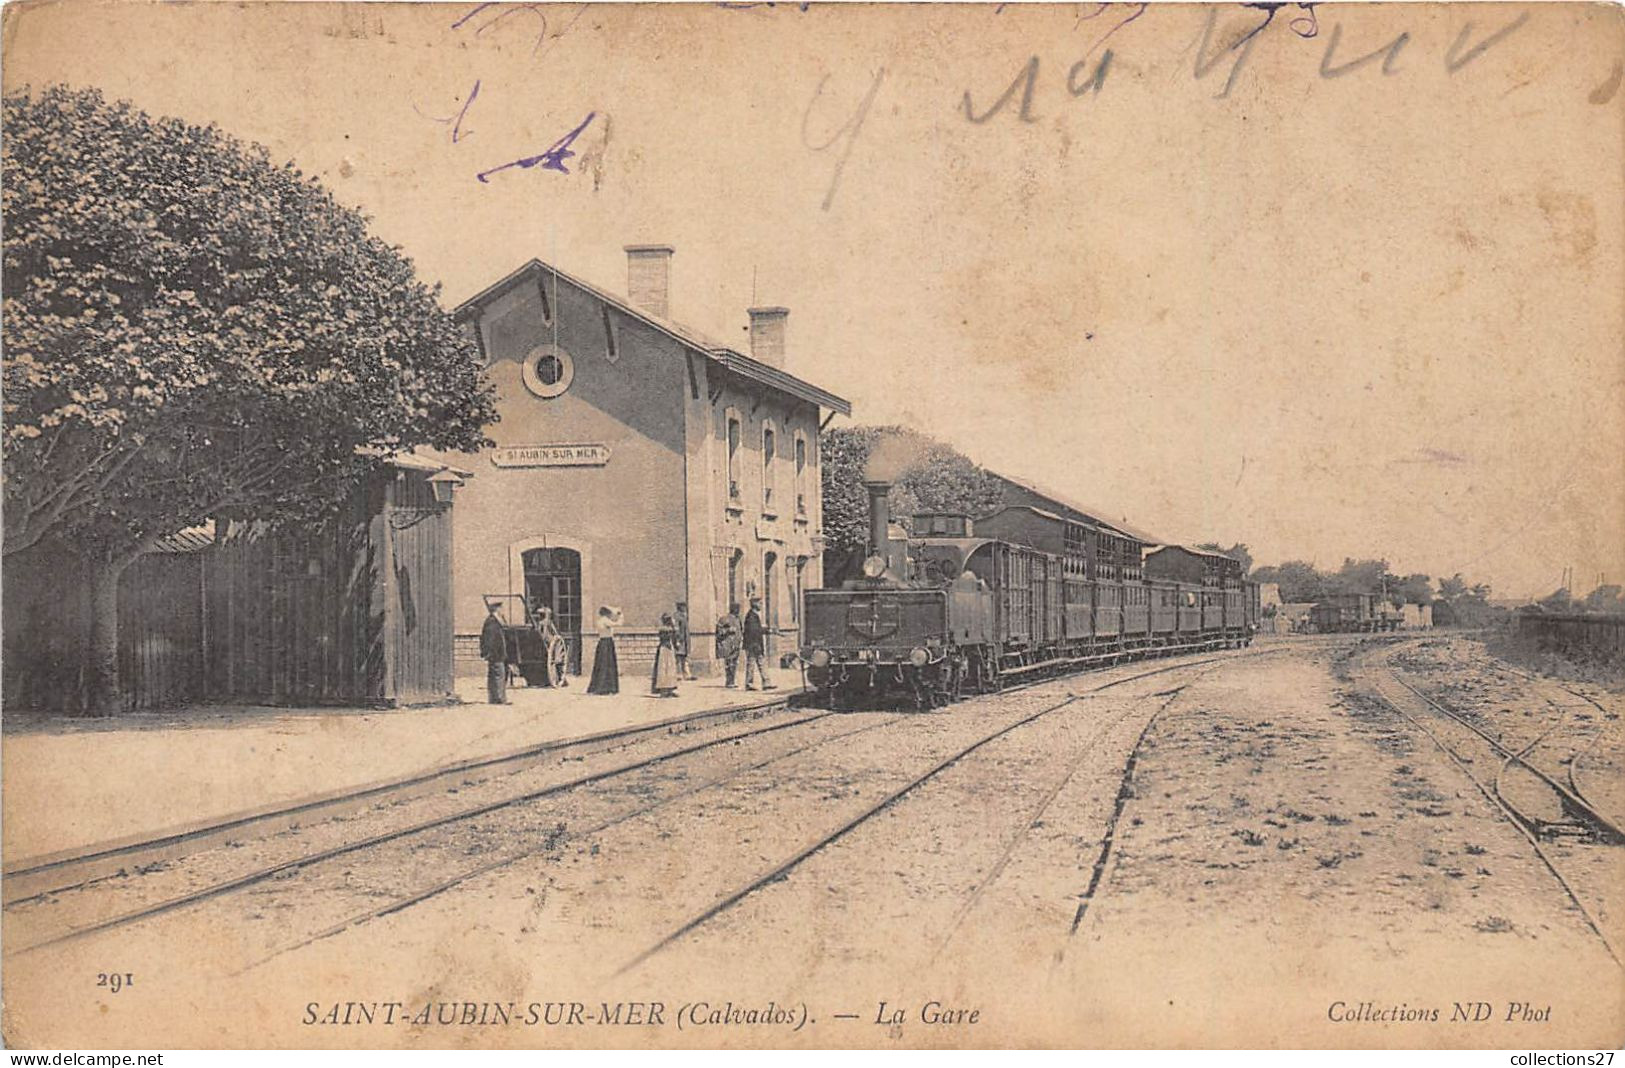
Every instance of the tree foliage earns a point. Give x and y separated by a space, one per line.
1300 581
1609 598
926 476
1415 588
1462 604
192 330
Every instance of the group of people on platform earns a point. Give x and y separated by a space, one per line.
747 636
735 637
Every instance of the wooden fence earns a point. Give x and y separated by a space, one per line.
353 612
1569 633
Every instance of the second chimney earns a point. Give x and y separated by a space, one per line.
767 335
648 278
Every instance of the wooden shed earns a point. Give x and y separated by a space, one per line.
357 612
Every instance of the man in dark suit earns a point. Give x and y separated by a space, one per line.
755 645
494 651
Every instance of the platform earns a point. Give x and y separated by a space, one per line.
70 783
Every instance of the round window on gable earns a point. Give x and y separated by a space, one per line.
548 371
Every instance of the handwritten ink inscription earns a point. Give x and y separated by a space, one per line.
1236 45
550 160
848 129
484 18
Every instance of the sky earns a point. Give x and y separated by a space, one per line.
1229 287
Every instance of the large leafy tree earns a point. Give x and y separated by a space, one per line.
1415 588
194 331
1364 576
1300 581
1461 604
926 476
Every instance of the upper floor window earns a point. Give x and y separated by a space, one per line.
733 457
769 447
801 474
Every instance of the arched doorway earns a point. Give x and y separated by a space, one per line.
553 579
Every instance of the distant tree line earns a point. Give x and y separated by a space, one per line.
1302 581
1455 600
1604 600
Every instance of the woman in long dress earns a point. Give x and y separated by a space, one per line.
663 683
606 670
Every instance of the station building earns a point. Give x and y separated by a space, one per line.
637 463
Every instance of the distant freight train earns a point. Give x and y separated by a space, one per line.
1026 593
1354 612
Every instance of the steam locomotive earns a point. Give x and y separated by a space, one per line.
958 608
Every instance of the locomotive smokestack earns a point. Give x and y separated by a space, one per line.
879 517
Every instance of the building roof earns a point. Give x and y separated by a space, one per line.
1095 514
1041 512
729 358
1194 552
417 461
190 540
200 537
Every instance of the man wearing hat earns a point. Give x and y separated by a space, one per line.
728 644
494 651
755 645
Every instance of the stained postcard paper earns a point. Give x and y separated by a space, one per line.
444 607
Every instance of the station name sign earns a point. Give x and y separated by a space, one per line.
551 456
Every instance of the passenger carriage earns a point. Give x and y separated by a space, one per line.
1018 594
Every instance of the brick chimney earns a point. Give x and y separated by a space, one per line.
767 335
648 278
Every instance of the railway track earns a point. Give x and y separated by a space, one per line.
30 879
898 794
1470 747
1035 817
305 861
1572 766
1580 816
